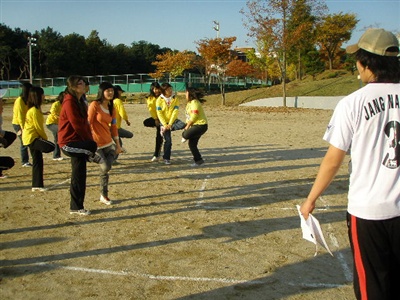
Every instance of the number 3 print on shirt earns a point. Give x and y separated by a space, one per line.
392 157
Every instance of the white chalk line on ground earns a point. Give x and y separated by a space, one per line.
148 276
348 274
184 278
60 183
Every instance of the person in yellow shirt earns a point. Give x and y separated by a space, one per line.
35 137
167 105
52 124
121 115
196 123
155 91
18 120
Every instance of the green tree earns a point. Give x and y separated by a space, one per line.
268 21
144 54
74 60
313 63
301 25
333 31
51 52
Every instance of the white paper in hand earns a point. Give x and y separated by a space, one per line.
312 231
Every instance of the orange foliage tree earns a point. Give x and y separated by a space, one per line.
173 63
217 54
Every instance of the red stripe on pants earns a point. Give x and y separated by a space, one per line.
358 260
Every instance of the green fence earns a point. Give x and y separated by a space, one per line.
131 83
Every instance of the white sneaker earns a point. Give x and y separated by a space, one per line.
58 158
27 165
155 158
197 164
167 161
82 212
105 200
39 189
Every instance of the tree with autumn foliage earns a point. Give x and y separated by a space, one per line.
239 68
333 31
268 21
173 63
217 55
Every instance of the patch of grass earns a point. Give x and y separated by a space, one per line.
342 84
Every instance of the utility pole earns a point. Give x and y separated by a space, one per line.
31 42
216 28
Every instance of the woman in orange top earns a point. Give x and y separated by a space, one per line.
101 114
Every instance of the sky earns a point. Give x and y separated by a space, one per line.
175 24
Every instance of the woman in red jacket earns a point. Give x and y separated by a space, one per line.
76 141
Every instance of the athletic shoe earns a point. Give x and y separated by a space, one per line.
105 200
183 140
3 176
58 158
39 189
82 212
95 158
197 163
167 161
155 158
26 165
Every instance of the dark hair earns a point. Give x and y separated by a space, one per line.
26 86
105 85
72 83
385 68
152 86
164 87
195 94
35 97
60 97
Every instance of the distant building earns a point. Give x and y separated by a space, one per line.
242 53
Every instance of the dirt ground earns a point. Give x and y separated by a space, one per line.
226 230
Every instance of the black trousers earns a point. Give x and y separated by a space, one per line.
79 153
193 134
6 162
37 148
8 138
150 122
376 254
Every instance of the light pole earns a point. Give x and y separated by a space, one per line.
216 28
31 42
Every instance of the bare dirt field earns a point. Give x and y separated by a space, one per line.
226 230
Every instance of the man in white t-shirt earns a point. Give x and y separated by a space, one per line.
367 122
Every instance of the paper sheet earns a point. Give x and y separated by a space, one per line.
312 231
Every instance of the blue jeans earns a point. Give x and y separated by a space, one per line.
23 149
54 130
178 125
108 155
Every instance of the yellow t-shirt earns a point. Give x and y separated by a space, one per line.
195 113
167 113
19 112
54 115
151 105
120 112
34 126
